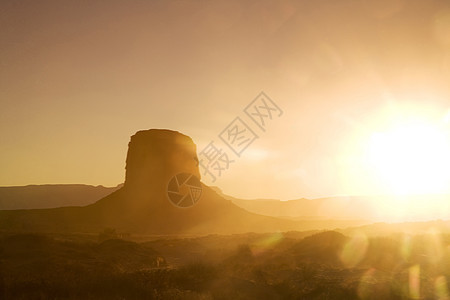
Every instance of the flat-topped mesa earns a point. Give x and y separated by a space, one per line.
156 155
142 206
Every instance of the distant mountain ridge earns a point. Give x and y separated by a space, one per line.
63 195
142 206
400 208
51 195
344 208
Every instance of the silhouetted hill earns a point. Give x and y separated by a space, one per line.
142 206
383 229
360 209
63 195
348 208
51 195
320 208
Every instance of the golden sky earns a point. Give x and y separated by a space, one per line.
78 78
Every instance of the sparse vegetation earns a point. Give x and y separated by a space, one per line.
220 267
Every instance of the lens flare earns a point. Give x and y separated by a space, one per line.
405 250
354 250
414 282
267 243
441 288
434 248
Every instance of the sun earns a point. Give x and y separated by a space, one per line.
411 157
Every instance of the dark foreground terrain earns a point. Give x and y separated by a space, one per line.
292 265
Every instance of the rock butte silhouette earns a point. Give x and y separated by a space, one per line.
141 205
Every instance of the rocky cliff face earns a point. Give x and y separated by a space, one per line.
142 205
156 155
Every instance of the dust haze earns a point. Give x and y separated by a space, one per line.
224 149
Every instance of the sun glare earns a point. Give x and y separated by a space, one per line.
411 157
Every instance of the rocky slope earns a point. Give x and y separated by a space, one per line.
142 206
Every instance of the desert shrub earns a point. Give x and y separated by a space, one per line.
107 234
195 276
